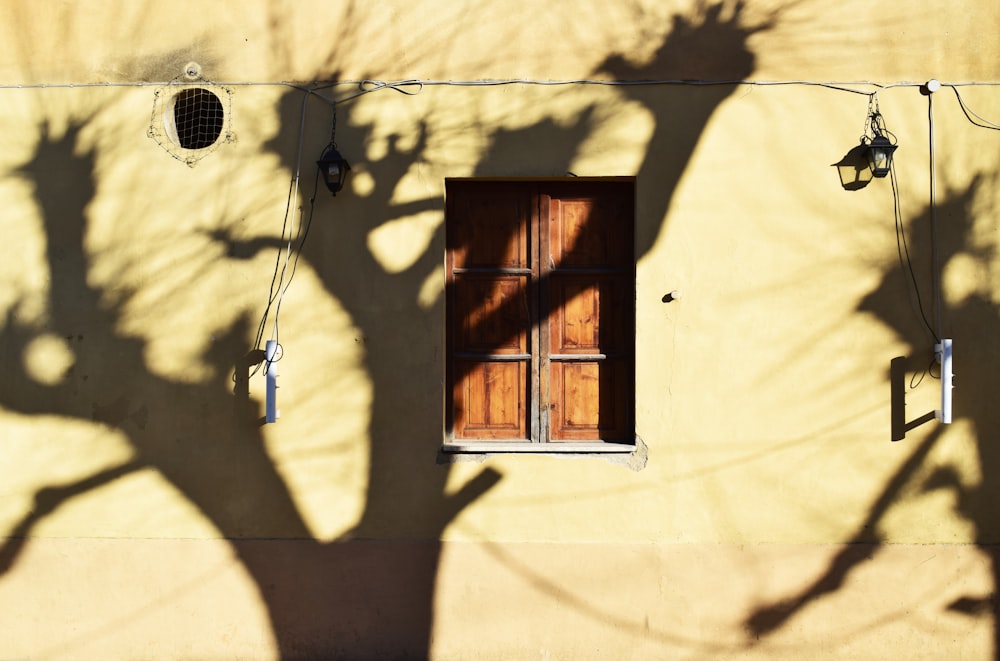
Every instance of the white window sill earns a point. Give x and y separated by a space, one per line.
520 447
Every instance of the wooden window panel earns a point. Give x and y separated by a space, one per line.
540 311
489 262
589 401
494 313
589 302
494 231
490 400
588 314
590 232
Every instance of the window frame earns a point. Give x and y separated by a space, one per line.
540 222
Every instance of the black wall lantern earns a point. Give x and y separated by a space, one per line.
334 168
879 155
878 147
332 165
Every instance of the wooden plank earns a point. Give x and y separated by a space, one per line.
489 400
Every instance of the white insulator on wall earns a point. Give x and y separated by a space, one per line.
271 398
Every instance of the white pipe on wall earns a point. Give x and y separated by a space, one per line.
943 351
271 398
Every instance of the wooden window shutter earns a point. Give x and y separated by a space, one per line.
489 316
589 276
540 320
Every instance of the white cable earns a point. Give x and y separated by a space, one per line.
969 113
276 293
293 198
368 86
375 85
935 248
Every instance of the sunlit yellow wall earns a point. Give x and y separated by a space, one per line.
147 513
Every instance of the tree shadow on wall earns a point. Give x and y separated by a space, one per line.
406 492
371 592
324 600
710 50
407 503
971 323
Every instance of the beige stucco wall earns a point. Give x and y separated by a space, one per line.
147 514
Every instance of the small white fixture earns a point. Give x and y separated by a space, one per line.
271 412
943 353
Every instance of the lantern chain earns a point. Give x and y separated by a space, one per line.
333 129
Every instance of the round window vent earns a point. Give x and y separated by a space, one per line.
197 118
191 120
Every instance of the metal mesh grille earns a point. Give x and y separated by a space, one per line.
191 120
198 118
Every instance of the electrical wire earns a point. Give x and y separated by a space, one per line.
935 247
367 86
918 377
273 293
278 285
904 252
969 113
412 87
303 235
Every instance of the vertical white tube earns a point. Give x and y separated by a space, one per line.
271 397
943 351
